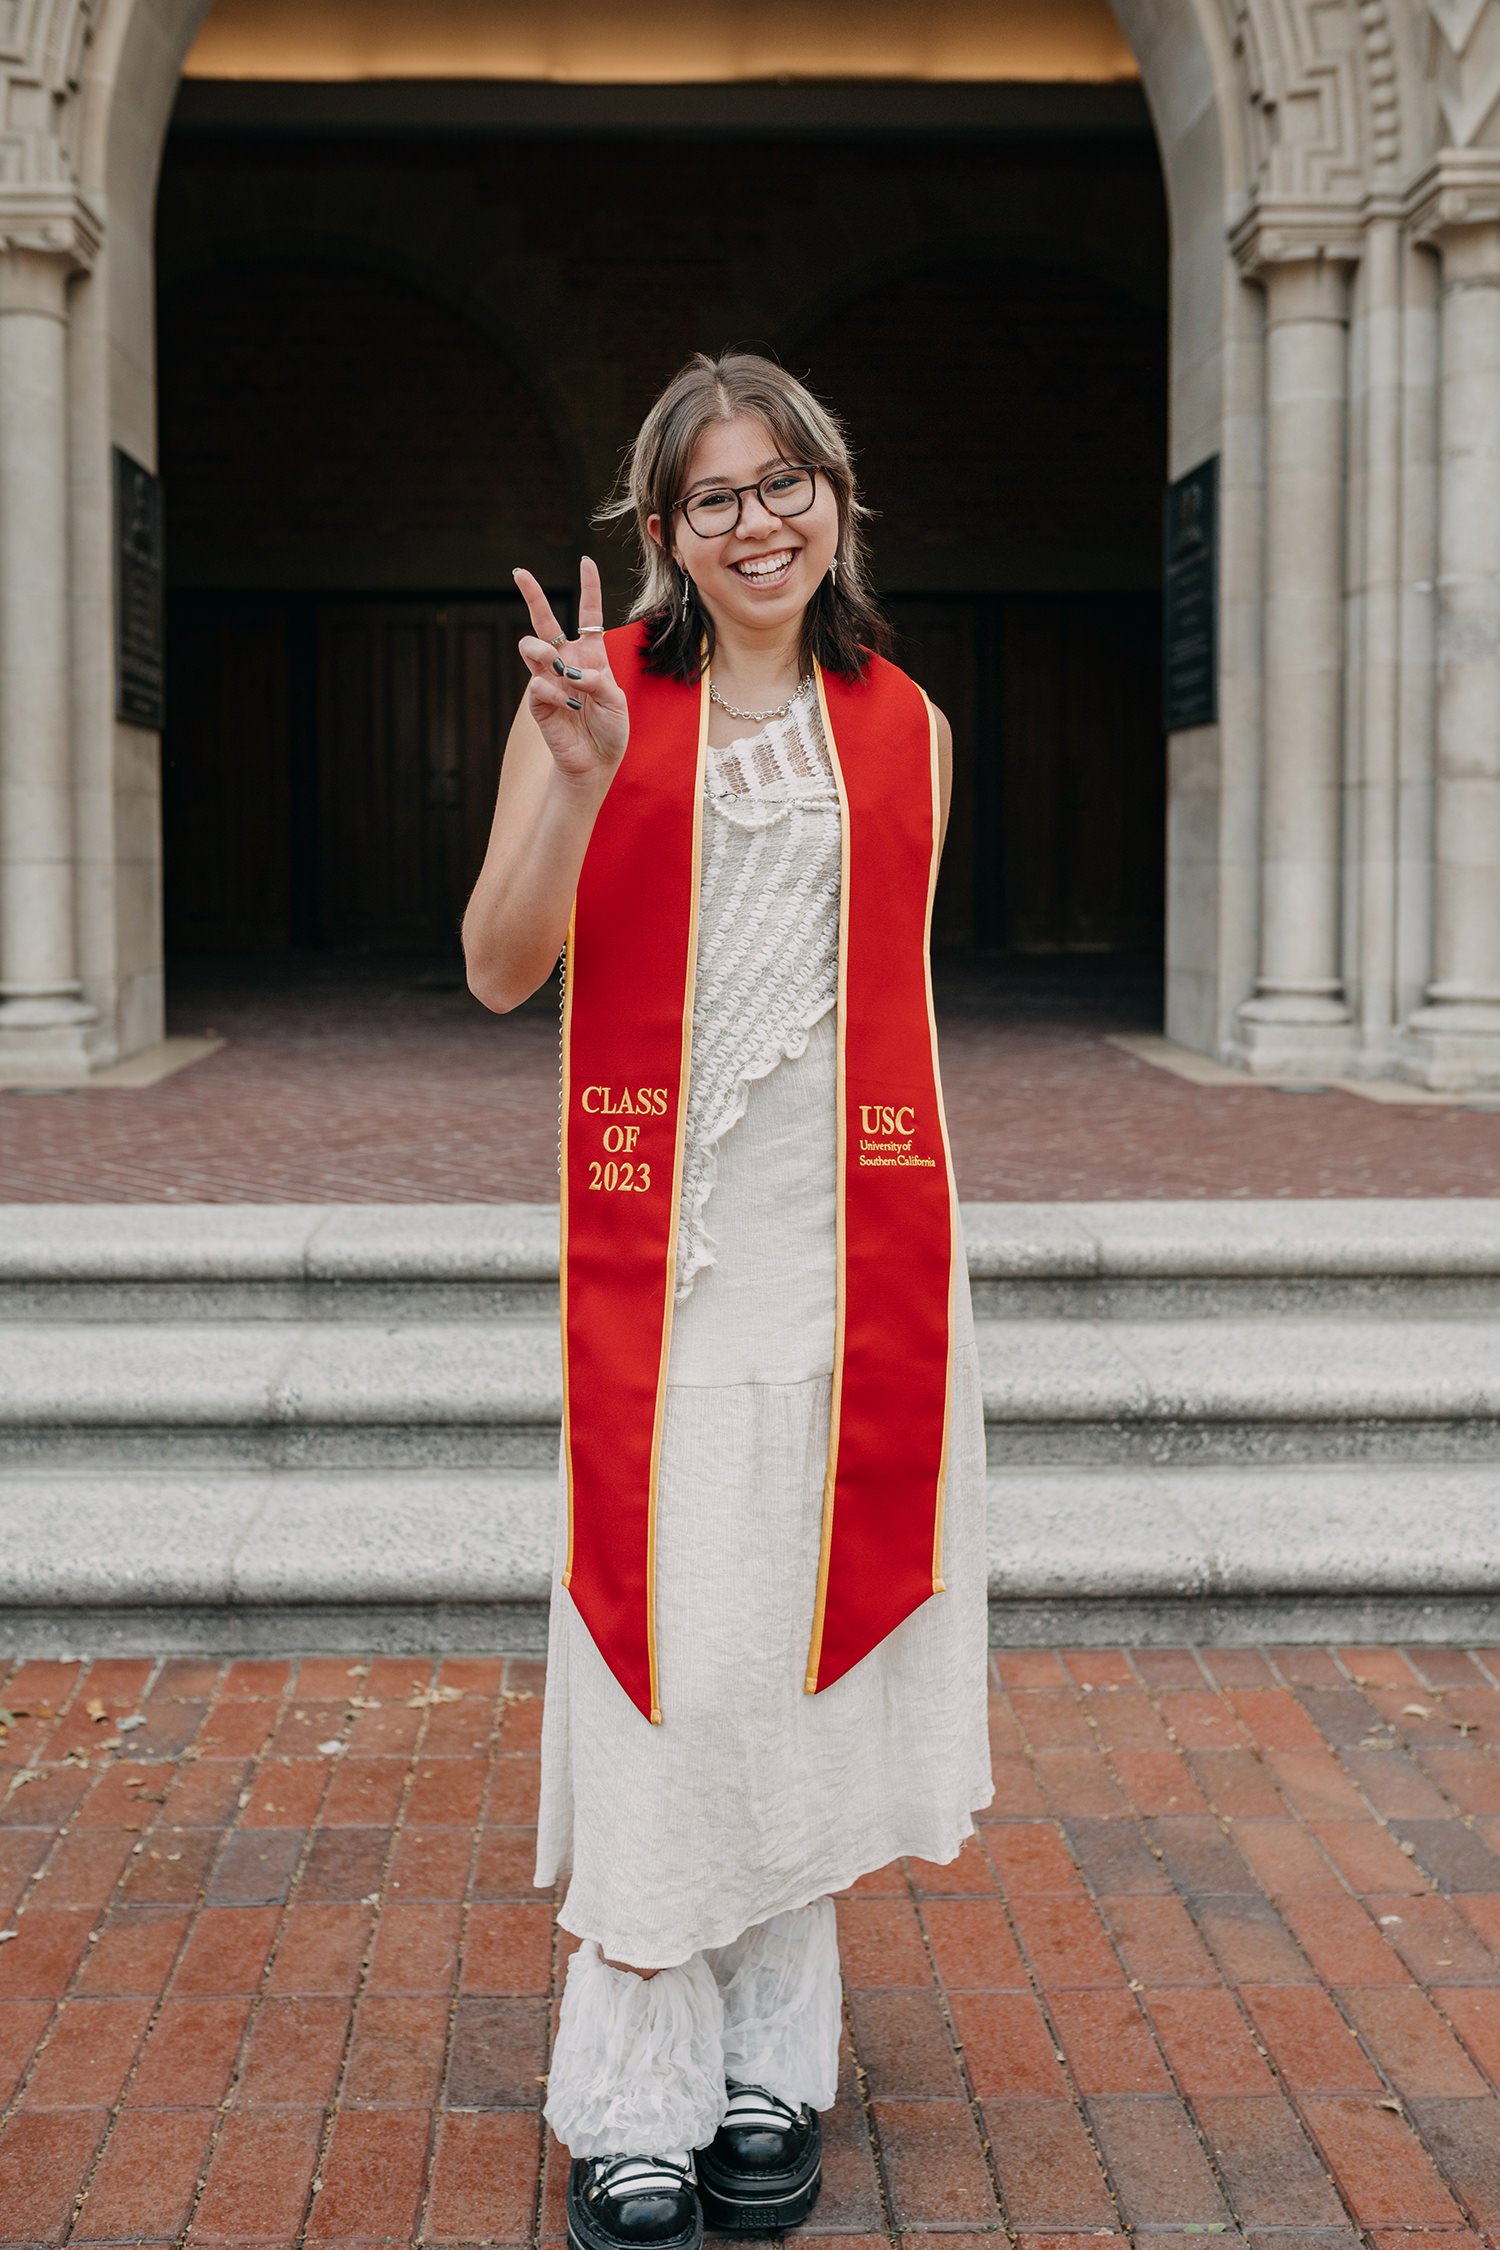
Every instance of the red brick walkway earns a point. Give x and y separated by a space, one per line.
1225 1960
377 1080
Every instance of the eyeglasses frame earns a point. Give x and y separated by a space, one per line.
806 468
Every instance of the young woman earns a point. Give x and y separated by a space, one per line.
766 1670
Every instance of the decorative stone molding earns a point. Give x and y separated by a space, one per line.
1286 230
42 44
1323 94
1382 81
1464 57
1461 188
50 221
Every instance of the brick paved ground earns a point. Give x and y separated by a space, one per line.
1224 1959
369 1080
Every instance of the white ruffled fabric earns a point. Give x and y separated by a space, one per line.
767 961
783 1997
637 2066
753 1798
640 2063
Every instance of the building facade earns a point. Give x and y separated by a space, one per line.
1329 270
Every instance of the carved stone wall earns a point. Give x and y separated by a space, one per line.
1465 64
42 45
1322 85
1323 90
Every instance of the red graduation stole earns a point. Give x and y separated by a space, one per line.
627 1024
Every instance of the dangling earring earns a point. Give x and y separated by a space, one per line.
833 571
686 592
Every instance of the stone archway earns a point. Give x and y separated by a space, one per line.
1332 848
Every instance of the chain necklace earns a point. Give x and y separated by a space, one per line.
780 711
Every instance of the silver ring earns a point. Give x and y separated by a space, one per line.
589 629
557 640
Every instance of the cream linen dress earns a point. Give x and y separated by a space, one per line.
752 1797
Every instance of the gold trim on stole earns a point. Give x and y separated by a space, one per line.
938 1585
562 1198
689 983
690 980
825 1547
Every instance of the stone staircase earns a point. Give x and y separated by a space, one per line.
273 1426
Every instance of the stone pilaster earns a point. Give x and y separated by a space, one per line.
1297 1023
1453 1040
45 238
1375 803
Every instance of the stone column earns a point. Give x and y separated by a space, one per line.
1297 1024
1376 780
1453 1040
43 1018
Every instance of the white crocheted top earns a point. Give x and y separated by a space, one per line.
768 937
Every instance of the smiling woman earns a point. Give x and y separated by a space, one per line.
766 1669
740 488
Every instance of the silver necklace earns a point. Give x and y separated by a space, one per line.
780 711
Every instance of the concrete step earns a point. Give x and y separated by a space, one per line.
288 1425
244 1559
398 1397
277 1262
468 1394
1289 1389
1375 1258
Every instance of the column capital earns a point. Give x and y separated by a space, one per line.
1296 230
51 221
1457 195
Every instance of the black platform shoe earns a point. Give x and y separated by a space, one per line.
618 2202
763 2168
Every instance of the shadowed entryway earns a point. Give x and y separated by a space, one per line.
366 421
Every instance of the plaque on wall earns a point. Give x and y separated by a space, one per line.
140 657
1190 605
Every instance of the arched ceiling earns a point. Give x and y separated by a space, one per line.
673 41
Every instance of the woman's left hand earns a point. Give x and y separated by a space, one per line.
577 702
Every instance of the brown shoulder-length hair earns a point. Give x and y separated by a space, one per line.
843 622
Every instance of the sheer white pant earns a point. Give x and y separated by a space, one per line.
640 2062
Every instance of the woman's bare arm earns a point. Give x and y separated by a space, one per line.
564 747
945 773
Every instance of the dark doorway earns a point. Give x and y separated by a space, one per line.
1056 836
330 767
377 396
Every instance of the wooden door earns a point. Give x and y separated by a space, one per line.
227 778
414 702
1082 781
941 643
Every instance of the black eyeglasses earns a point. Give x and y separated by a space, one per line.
785 492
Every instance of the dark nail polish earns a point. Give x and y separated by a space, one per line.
573 703
559 667
571 672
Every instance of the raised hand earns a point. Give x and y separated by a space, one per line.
572 694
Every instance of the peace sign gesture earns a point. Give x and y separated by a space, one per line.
572 694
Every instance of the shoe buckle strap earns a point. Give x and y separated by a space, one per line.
751 2104
610 2179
